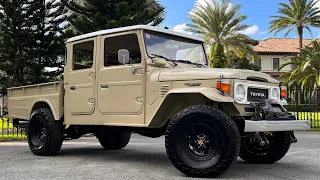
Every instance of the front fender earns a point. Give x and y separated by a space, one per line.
180 98
211 93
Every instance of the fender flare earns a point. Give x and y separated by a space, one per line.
160 117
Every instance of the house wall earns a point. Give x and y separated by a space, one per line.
267 63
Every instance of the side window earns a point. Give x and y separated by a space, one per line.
113 44
83 55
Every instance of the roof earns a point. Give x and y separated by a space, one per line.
130 28
280 45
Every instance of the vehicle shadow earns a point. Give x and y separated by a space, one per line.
157 160
124 155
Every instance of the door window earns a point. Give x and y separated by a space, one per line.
113 44
83 55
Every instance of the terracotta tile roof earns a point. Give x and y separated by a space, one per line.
280 45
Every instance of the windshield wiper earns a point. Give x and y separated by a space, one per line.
189 62
167 59
181 61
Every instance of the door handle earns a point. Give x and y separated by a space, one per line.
72 88
104 86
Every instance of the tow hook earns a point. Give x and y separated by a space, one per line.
290 138
262 140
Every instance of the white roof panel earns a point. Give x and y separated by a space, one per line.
130 28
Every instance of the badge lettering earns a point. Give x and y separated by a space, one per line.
254 94
192 84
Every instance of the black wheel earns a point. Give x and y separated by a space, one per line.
114 140
45 134
202 141
255 154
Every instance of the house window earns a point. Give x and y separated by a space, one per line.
275 62
257 61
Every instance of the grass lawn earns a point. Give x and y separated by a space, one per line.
10 137
8 133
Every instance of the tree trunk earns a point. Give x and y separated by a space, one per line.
300 34
211 55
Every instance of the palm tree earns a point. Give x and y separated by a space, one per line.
307 73
298 15
219 24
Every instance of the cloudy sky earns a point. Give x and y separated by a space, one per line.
258 12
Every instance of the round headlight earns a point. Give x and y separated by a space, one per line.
275 93
240 92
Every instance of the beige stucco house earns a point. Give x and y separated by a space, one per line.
275 51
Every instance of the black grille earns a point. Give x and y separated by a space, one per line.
255 94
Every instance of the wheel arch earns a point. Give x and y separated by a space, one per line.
178 99
44 104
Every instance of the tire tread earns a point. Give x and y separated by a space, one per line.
121 141
54 133
233 146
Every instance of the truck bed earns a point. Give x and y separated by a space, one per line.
22 100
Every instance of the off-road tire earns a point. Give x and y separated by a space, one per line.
270 155
114 140
52 134
208 120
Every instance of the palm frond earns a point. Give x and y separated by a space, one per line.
220 24
307 73
295 14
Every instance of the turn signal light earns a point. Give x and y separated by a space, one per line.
223 86
283 91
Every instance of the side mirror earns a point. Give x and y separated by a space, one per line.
159 62
123 56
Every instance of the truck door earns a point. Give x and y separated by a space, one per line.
80 79
120 87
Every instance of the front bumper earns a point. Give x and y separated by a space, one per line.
268 126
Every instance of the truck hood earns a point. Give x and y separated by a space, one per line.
185 74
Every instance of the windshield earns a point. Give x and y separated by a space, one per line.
174 48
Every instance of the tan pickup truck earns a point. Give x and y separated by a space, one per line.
156 82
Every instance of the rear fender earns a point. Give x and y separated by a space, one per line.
44 103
